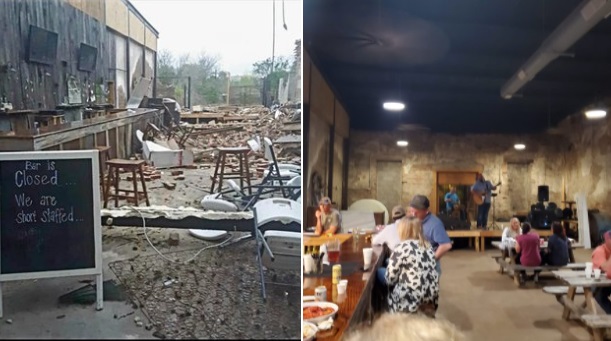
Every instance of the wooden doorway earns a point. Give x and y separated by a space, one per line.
389 183
462 180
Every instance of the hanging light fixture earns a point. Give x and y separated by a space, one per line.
402 143
394 106
596 113
519 146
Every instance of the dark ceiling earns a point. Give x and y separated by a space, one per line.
448 59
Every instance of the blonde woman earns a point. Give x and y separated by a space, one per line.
411 276
512 231
407 327
508 238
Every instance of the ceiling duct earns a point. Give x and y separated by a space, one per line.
576 25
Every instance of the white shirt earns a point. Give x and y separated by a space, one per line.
388 235
509 236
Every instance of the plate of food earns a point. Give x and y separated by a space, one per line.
318 311
309 331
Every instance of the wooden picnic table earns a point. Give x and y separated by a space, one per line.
355 306
568 273
590 311
588 285
501 245
499 234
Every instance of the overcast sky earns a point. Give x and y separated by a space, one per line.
239 32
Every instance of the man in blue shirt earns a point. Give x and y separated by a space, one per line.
452 200
432 227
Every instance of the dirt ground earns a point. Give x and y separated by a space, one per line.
218 295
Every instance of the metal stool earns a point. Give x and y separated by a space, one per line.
243 174
115 166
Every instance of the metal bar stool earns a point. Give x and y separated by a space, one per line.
117 166
221 173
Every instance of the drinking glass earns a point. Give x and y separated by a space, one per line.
333 250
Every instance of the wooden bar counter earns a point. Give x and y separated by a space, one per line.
355 305
117 131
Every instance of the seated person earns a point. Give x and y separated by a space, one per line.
390 237
452 200
558 247
509 235
412 276
327 218
601 259
528 249
389 234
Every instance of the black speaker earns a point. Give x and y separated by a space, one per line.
543 193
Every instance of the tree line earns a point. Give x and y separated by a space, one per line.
209 84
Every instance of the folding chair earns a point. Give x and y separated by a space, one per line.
280 240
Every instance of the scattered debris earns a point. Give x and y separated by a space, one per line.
60 317
9 321
169 185
159 335
126 315
174 239
188 310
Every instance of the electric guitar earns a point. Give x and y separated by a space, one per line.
478 197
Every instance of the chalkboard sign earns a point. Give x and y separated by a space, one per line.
50 222
47 215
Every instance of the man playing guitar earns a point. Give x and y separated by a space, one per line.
482 195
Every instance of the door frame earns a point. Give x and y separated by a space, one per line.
373 172
434 208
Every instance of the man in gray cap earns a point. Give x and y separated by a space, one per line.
390 237
327 218
432 227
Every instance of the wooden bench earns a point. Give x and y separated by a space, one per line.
560 291
515 269
598 324
566 299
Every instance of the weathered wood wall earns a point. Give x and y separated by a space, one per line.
34 86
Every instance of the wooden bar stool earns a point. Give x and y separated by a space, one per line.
220 173
103 157
117 166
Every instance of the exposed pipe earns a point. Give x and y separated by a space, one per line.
574 27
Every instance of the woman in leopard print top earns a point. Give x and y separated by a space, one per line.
411 275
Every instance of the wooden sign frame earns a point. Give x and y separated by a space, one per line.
97 221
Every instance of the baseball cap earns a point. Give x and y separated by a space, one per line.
419 202
398 212
325 201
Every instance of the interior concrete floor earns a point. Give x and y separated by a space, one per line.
487 305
